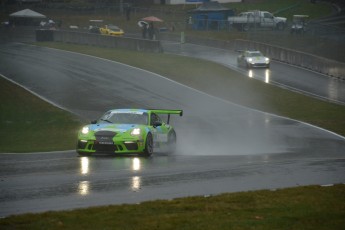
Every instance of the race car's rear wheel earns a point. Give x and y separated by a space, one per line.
148 145
172 142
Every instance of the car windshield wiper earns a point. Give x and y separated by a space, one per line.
106 120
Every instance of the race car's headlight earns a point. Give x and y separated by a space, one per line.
267 60
250 59
135 132
85 130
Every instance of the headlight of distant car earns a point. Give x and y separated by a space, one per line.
85 130
267 60
136 132
250 60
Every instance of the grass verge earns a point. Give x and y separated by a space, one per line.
309 207
29 124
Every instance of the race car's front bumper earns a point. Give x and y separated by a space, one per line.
263 65
121 146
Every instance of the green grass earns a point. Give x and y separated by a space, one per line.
309 207
29 124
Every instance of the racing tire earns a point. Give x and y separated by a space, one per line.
148 151
172 142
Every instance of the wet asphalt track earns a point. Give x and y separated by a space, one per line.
223 147
280 74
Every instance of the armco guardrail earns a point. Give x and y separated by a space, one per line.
222 44
315 63
293 57
107 41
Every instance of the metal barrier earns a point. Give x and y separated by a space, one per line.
315 63
293 57
44 35
107 41
312 62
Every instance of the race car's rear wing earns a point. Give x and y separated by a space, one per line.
168 112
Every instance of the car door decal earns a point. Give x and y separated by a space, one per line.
160 135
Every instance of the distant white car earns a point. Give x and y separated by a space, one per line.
251 59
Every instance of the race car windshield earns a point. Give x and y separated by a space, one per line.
126 118
114 28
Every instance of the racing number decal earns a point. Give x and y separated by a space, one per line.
160 132
161 136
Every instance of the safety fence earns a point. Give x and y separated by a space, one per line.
99 40
297 58
305 60
315 63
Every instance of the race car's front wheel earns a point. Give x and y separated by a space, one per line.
148 145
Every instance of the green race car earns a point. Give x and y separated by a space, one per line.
127 131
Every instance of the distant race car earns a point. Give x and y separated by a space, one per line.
111 30
127 131
252 59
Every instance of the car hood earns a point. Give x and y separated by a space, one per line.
113 127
